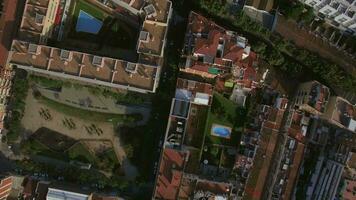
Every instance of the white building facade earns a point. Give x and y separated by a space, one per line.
339 13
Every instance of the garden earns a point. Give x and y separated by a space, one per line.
111 32
51 144
226 113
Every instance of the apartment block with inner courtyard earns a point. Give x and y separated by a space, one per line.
88 41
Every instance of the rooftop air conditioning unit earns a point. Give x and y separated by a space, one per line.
131 67
33 49
144 36
39 18
150 11
98 61
66 55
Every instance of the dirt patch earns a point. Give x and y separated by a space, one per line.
71 126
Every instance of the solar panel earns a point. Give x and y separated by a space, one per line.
32 48
65 54
39 18
150 10
144 36
131 67
97 60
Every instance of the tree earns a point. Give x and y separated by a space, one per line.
129 150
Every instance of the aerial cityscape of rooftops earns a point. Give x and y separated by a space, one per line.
178 99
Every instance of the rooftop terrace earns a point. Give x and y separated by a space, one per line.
84 67
35 28
154 41
344 113
33 19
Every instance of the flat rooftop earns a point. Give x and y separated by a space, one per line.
155 40
33 20
141 76
82 66
162 8
344 113
194 91
194 86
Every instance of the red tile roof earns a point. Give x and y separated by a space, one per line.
5 186
222 50
208 46
170 174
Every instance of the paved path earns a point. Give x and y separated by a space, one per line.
98 102
130 170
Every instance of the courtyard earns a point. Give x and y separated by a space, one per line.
224 127
84 135
99 30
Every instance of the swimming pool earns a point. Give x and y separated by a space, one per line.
221 131
87 23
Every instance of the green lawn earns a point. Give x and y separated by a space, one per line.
106 161
89 115
80 153
225 112
34 147
227 160
211 154
88 8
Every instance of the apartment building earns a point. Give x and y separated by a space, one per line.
312 97
341 113
327 182
31 52
257 183
212 51
339 13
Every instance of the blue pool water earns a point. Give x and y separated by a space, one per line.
221 131
87 23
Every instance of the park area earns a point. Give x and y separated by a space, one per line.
96 29
73 134
47 143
